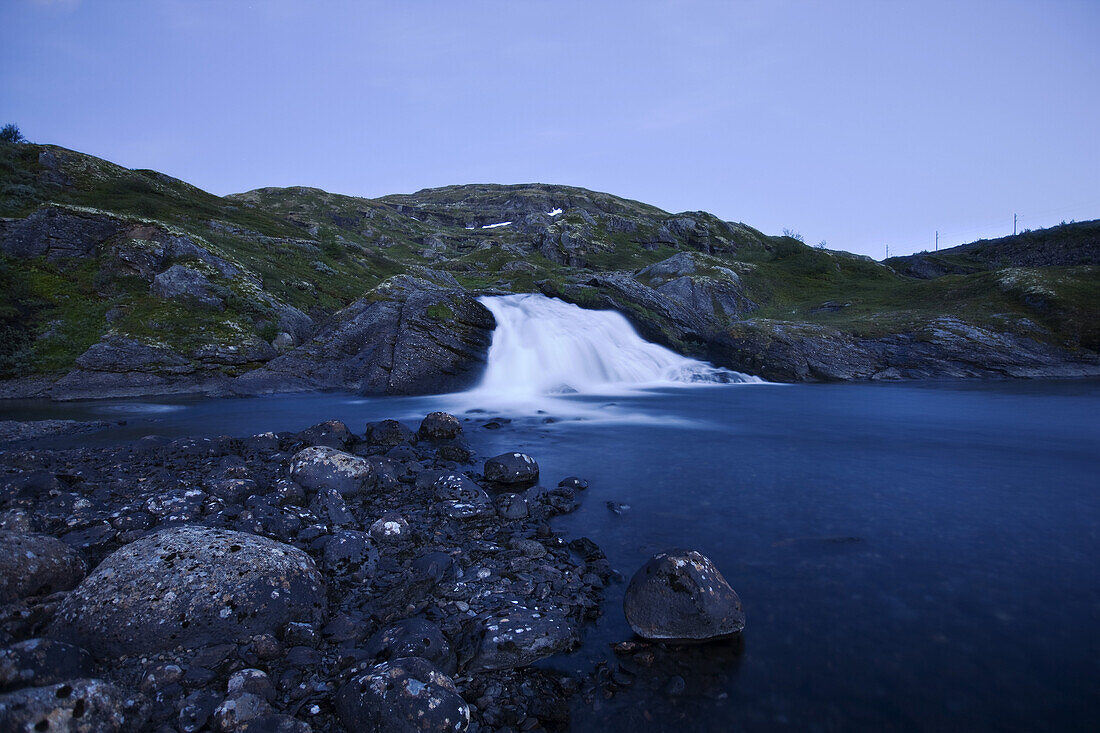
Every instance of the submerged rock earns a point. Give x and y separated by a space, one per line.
36 564
512 469
680 595
190 586
403 695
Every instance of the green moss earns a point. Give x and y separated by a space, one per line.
440 312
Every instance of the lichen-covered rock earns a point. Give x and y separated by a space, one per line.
330 433
439 426
190 586
681 595
390 527
348 552
413 637
42 662
461 498
522 636
512 469
77 706
321 467
34 564
406 695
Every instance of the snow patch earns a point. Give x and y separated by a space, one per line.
498 224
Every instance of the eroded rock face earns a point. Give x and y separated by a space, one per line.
512 470
403 695
680 595
78 706
410 336
34 564
321 467
522 636
189 586
187 285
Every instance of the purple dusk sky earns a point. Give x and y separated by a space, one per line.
860 123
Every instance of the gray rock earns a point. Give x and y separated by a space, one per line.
679 595
58 233
511 506
407 695
348 552
236 710
522 636
190 586
390 527
512 469
409 336
77 706
330 433
389 434
183 283
439 426
320 467
42 662
36 564
461 498
119 354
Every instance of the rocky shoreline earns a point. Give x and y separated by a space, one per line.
321 580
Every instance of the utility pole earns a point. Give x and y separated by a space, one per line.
887 251
1014 225
937 240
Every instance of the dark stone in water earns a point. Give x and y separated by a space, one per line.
680 596
512 469
439 426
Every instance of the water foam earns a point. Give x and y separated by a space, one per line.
546 347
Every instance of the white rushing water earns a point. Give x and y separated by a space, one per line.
544 346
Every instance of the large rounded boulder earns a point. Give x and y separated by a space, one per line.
190 586
320 467
522 636
405 695
439 426
680 595
32 564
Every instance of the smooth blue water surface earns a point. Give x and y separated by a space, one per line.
910 556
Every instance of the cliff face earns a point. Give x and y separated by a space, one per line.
117 282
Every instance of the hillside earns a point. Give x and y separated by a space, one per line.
120 282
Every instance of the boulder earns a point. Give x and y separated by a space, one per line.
190 586
389 434
183 283
406 695
413 637
439 426
77 706
679 595
321 467
521 636
34 564
390 527
42 662
461 498
512 470
331 434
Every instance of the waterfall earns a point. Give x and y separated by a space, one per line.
545 346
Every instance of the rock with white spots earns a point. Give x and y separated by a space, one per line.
321 467
512 469
190 586
391 527
521 636
439 426
405 695
461 498
36 564
680 595
77 706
